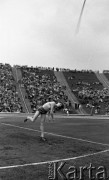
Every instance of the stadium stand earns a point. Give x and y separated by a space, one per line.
106 74
75 108
89 90
41 86
9 98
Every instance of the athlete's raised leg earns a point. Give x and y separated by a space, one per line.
32 118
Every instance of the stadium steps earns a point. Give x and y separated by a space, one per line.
60 78
18 76
102 78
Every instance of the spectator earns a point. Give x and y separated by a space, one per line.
42 85
9 99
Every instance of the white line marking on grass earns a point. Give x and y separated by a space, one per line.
105 117
58 160
58 135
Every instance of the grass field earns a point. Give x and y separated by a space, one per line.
78 141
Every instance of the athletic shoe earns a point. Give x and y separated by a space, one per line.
43 139
25 120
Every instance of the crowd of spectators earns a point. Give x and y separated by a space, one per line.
74 70
93 94
88 90
41 86
9 99
106 72
57 69
92 97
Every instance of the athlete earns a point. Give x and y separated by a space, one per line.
49 108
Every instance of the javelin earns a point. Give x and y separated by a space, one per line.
80 17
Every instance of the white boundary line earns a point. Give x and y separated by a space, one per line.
88 117
58 135
59 160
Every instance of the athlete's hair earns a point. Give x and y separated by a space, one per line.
60 105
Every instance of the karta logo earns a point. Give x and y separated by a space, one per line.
55 171
61 171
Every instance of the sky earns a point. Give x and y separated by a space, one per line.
42 33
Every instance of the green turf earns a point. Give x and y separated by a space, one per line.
21 146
